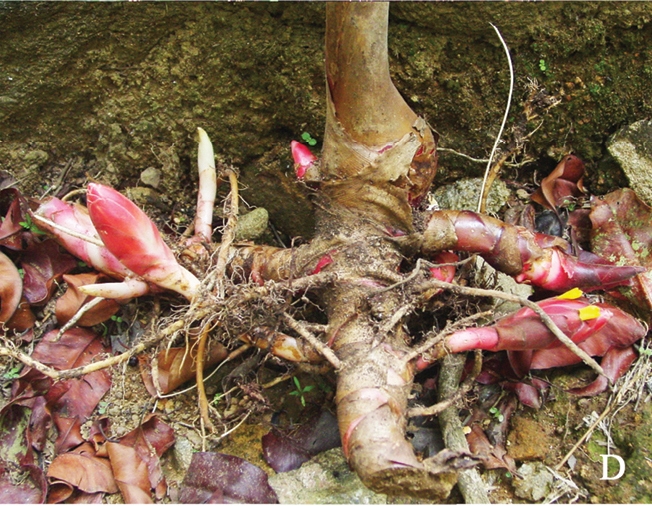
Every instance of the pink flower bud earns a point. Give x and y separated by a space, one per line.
303 158
134 239
445 272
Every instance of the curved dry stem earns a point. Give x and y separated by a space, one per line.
201 391
324 350
451 396
92 240
490 175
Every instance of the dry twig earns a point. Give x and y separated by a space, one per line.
324 350
94 366
217 277
470 483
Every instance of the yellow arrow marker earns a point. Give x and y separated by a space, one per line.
572 294
589 313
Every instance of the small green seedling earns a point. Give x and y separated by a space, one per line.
12 373
28 224
102 407
495 412
645 351
543 66
300 391
307 138
118 321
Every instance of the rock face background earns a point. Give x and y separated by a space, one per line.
110 90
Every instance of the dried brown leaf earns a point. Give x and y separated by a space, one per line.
177 365
77 347
82 469
150 441
69 433
216 477
622 233
11 230
43 263
563 183
130 472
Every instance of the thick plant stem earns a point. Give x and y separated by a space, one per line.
374 381
356 52
378 159
378 156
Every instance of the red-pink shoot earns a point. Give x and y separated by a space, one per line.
134 239
524 329
303 158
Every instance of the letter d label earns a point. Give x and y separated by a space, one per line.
605 467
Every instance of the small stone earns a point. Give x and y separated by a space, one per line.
252 225
528 441
151 176
534 481
326 479
36 157
463 194
631 147
182 451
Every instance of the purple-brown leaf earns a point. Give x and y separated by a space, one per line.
622 233
218 478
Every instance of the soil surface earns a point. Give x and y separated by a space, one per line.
106 91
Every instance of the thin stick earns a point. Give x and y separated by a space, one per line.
470 483
325 351
94 366
460 392
484 190
93 240
234 428
483 160
634 376
77 316
437 338
586 435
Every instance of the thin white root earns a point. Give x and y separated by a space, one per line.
92 240
81 312
484 190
